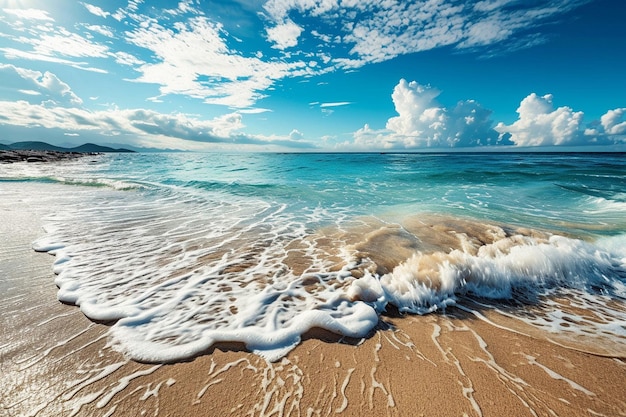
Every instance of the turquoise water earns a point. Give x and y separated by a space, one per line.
182 250
539 190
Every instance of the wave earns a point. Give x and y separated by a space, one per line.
99 182
511 266
85 182
178 276
615 194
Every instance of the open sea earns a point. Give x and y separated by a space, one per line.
180 251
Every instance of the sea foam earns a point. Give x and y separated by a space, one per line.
177 276
497 270
180 252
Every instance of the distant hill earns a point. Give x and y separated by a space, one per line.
35 146
91 147
43 146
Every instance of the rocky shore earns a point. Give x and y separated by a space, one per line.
10 156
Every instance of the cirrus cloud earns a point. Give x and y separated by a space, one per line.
375 31
29 14
95 10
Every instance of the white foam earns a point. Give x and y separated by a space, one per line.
180 275
180 271
615 245
599 205
427 282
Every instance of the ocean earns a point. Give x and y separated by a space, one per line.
177 252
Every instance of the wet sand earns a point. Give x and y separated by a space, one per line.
56 362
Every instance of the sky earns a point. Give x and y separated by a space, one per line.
315 75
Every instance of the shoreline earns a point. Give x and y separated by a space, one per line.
55 361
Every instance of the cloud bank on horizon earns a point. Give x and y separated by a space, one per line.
248 75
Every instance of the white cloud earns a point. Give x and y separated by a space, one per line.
13 53
376 31
53 84
224 126
46 86
296 135
367 138
56 44
95 10
254 110
321 37
185 6
131 8
335 104
68 44
284 35
328 108
29 14
30 92
490 5
423 122
102 30
614 121
487 32
540 124
187 55
279 9
124 58
193 59
139 127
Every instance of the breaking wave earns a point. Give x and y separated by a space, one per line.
177 274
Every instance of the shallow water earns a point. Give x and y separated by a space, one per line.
182 251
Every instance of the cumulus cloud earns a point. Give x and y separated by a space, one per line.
296 135
423 122
46 86
284 35
367 138
614 121
540 124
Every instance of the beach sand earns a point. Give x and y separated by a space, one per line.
56 362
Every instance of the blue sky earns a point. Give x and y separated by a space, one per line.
315 75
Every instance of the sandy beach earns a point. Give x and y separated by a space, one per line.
56 362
